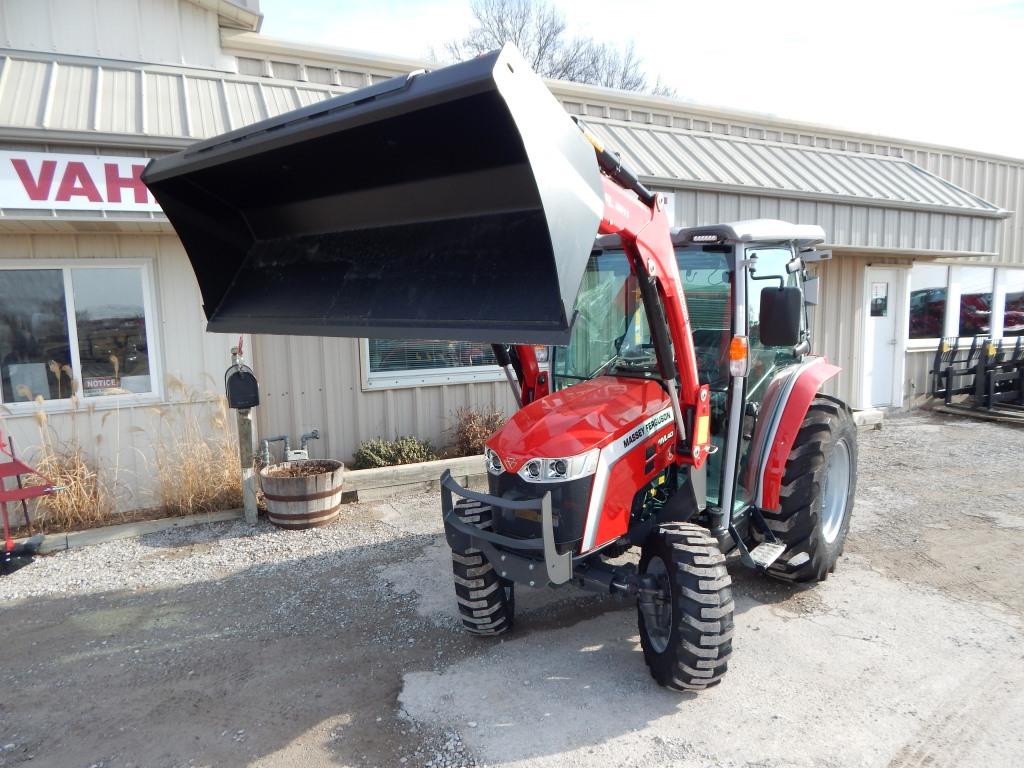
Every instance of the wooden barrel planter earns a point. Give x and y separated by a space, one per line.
302 494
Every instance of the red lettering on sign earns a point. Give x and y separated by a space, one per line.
116 182
77 183
36 190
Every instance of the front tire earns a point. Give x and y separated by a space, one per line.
817 494
688 644
486 601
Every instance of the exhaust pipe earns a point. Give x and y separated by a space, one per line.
457 204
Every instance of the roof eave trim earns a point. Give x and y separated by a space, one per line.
96 139
879 250
103 216
262 44
823 197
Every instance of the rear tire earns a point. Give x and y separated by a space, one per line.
689 648
486 601
817 494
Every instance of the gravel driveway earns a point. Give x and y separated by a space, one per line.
223 645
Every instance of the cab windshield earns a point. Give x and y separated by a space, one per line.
611 335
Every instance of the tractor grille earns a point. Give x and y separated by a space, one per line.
568 505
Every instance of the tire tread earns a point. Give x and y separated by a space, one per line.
480 594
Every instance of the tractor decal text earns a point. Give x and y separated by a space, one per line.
647 428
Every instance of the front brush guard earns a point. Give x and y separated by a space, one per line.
522 568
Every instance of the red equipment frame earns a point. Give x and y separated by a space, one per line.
646 238
16 468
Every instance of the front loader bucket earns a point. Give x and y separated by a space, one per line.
457 204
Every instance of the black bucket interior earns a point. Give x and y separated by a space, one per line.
424 208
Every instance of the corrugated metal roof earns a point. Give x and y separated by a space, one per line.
77 97
704 160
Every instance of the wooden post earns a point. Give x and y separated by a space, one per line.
246 449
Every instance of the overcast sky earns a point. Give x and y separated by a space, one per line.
942 71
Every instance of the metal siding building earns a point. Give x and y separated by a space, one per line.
157 75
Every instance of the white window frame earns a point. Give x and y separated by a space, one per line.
149 304
999 299
951 321
423 377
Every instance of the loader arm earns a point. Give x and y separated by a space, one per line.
646 238
527 380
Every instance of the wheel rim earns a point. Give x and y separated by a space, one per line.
834 494
659 633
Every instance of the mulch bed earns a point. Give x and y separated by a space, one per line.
301 469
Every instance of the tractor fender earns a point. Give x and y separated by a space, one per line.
783 409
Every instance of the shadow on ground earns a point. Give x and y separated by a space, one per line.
239 668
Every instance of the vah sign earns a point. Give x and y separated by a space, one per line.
52 181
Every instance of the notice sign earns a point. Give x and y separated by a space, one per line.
56 181
100 382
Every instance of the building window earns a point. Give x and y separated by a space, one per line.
985 301
409 362
74 331
975 300
1013 313
928 290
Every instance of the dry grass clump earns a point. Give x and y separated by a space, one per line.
195 473
472 428
194 468
88 492
84 500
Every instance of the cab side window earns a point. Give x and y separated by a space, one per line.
769 264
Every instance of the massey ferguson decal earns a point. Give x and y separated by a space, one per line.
53 181
649 427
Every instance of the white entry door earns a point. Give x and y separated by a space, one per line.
880 335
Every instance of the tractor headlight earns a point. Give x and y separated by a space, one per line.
561 469
494 465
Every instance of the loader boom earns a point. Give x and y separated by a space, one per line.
646 238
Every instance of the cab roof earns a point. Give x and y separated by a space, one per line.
749 231
752 231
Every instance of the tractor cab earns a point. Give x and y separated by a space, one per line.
725 272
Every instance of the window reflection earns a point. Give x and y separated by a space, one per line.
928 300
111 321
36 353
412 355
975 300
1013 315
108 312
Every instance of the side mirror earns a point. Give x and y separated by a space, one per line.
780 316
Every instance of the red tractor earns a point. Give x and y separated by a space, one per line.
465 204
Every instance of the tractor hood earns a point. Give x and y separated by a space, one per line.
575 420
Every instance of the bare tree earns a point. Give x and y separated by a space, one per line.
540 32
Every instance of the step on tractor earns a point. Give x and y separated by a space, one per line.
680 411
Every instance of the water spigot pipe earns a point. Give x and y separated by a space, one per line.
311 435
